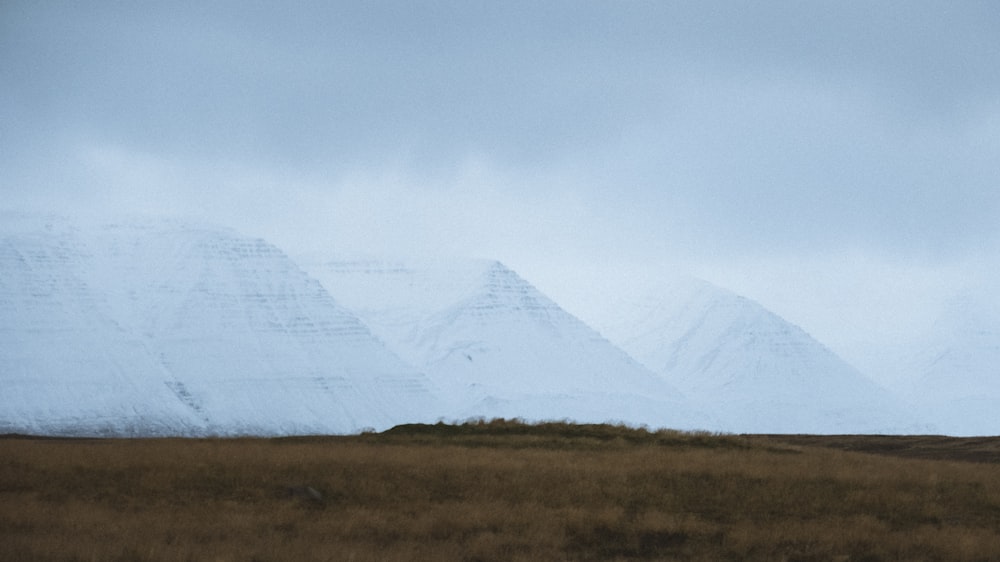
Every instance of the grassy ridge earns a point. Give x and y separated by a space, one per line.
496 490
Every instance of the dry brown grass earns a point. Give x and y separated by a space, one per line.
489 491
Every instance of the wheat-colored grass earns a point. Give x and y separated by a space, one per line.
489 491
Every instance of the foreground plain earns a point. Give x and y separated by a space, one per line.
501 490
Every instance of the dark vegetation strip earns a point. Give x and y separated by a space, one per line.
557 435
931 447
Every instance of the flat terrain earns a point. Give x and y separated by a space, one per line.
501 491
935 447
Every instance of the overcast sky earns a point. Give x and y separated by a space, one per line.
837 161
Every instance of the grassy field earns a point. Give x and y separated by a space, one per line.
501 491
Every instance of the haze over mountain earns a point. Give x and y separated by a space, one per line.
955 367
497 346
752 370
174 328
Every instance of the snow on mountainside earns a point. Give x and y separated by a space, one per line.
750 368
496 346
172 328
66 365
956 371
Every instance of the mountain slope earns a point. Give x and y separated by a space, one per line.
956 370
750 368
220 334
66 365
496 346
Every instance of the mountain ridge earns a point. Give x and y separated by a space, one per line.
176 327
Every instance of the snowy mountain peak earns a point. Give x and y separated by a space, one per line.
498 346
754 369
502 291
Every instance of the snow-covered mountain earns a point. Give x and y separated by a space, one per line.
752 370
170 328
956 368
173 328
496 346
66 365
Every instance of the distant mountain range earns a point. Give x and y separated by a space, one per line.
151 327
